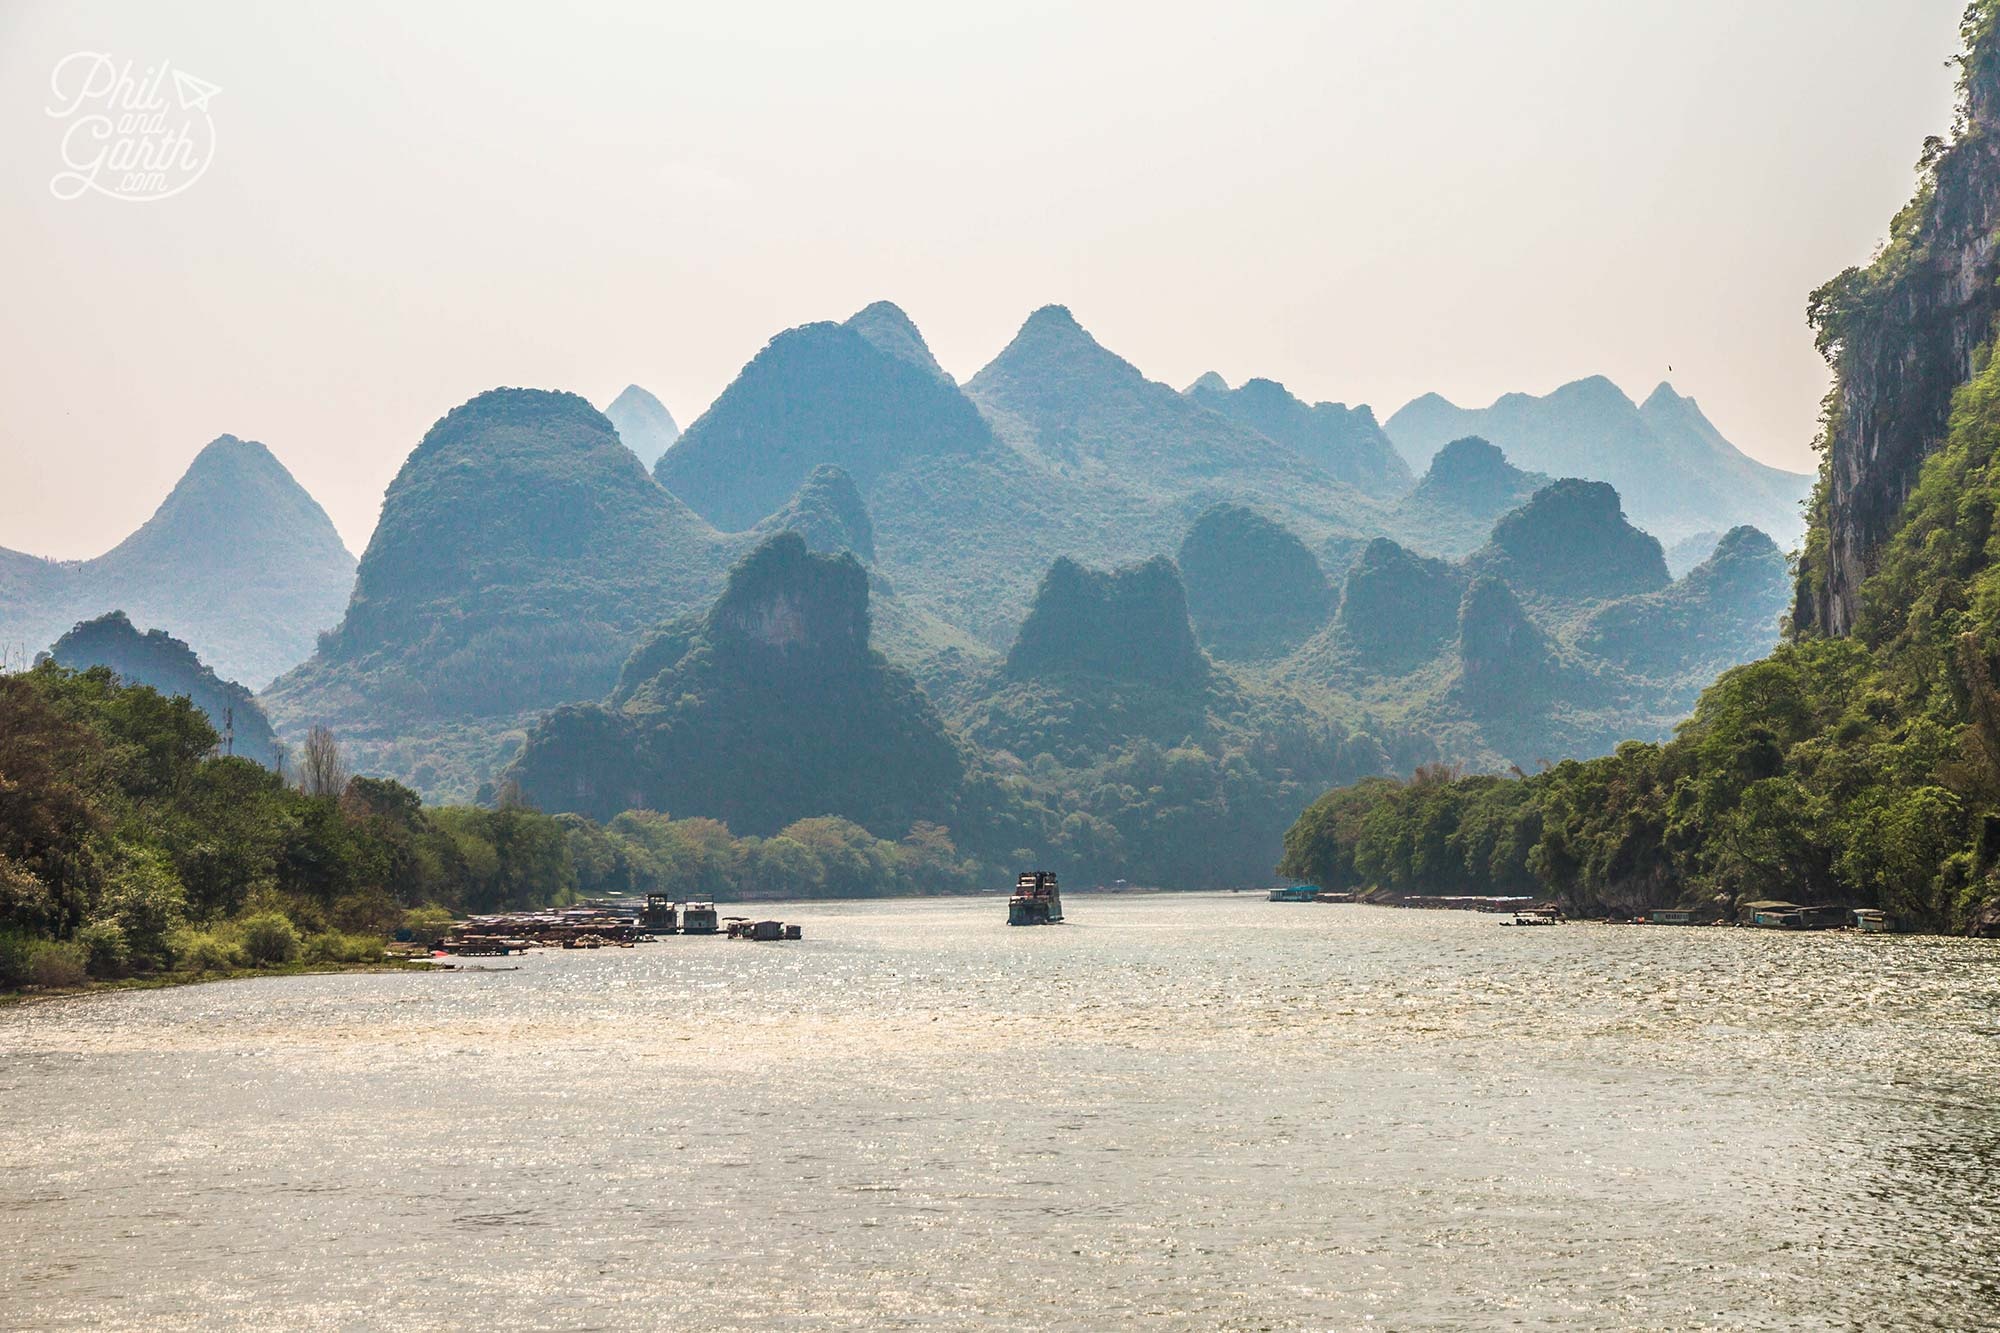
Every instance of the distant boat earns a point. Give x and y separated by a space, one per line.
1297 893
1036 901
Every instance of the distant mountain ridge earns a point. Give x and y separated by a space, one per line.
1063 399
238 560
820 393
1676 472
1345 441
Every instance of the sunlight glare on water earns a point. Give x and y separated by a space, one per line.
1192 1111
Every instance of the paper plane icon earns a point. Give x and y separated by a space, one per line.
194 93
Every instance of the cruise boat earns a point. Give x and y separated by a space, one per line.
1036 900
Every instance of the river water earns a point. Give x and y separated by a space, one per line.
1199 1111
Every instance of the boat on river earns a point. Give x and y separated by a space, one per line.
1297 893
1036 901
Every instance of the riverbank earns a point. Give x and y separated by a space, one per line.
173 980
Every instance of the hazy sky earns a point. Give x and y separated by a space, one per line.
411 203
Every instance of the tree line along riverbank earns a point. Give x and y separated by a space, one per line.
132 851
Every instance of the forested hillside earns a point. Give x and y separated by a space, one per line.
522 550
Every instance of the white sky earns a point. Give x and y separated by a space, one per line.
412 203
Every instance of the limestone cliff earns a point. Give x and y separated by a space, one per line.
1901 335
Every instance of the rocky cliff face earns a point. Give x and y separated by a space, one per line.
783 603
1902 335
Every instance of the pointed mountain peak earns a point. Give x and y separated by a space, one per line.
635 399
1594 389
1054 348
886 326
1664 396
1208 382
244 484
643 423
1053 318
225 455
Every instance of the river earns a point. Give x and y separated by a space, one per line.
1182 1111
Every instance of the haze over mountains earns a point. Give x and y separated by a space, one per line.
239 561
1095 586
168 665
1676 471
643 423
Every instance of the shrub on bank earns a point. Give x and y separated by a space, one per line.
206 951
425 924
106 951
270 937
337 946
54 964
